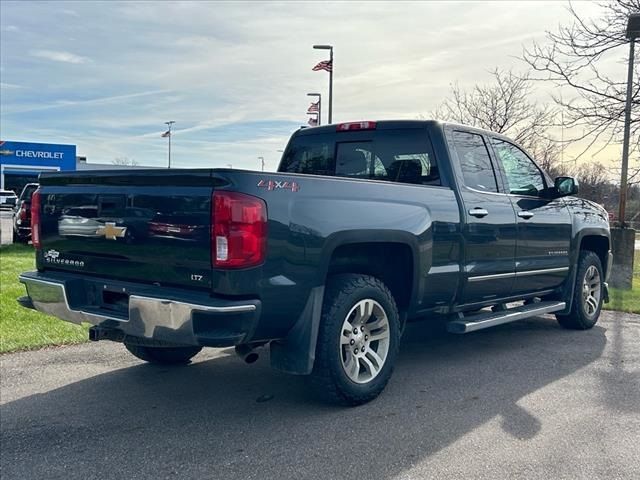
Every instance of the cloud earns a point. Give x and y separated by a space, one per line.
59 56
9 85
77 103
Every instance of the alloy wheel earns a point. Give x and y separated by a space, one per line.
591 291
364 341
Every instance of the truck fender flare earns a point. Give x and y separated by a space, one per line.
350 237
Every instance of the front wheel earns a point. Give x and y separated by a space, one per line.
358 340
163 355
587 295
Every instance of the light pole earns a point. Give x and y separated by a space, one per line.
633 32
330 48
319 105
168 134
261 163
623 238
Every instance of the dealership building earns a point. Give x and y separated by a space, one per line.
22 162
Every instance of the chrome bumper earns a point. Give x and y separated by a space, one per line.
217 323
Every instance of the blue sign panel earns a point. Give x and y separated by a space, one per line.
34 155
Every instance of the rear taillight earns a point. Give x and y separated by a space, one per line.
35 219
238 230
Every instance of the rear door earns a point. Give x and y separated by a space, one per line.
490 223
544 225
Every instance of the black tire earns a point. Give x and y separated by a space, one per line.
163 355
329 379
578 318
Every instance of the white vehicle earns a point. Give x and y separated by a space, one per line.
7 199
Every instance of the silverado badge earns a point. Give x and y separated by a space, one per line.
110 231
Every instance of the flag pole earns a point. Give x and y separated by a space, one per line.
330 48
169 124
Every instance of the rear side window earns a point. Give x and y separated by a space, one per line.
401 155
475 162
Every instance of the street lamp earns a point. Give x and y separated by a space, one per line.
319 105
261 162
633 32
330 48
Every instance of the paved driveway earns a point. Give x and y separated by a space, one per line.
526 400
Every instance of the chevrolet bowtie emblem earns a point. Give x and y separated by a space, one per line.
110 231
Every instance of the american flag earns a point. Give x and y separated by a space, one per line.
313 122
324 65
166 134
314 107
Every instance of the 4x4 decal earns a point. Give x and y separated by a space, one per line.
276 185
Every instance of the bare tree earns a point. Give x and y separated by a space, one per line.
572 57
595 183
125 161
505 106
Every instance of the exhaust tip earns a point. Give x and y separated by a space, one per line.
251 357
247 353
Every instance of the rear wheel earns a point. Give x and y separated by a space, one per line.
587 295
357 341
163 355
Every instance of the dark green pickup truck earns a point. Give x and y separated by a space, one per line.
365 226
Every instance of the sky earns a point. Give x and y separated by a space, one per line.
234 75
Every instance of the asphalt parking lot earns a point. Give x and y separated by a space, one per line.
525 400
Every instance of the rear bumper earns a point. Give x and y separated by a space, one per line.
153 313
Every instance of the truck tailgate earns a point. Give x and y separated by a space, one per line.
143 225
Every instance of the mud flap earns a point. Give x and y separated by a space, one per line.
296 353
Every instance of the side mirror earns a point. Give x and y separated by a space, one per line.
564 186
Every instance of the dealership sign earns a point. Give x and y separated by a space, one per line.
38 154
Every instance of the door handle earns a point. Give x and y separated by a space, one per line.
525 214
478 212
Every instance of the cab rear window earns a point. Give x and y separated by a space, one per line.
401 155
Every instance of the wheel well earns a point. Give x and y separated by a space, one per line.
599 245
390 262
